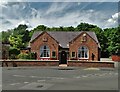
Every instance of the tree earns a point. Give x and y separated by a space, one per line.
26 37
85 27
102 40
61 28
69 28
54 29
40 28
113 36
5 36
20 29
16 41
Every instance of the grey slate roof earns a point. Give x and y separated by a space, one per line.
65 37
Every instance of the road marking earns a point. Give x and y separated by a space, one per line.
40 80
84 76
19 76
92 75
91 69
78 77
14 84
26 82
60 78
111 73
101 74
116 73
33 76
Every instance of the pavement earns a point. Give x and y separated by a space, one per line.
57 78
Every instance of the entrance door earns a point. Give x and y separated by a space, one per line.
62 57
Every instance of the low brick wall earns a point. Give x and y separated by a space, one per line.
30 63
11 63
91 64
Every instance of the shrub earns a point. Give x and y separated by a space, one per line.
27 56
32 55
13 53
23 56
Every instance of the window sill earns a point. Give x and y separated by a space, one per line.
44 57
83 58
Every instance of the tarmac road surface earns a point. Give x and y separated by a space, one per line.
55 78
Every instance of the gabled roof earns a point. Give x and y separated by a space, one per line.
35 35
65 37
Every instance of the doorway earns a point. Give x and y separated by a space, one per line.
62 57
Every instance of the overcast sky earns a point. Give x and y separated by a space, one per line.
54 14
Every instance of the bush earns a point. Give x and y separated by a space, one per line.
27 56
32 55
23 56
13 53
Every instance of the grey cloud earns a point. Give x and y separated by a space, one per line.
58 14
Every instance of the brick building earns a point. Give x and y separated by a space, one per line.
81 45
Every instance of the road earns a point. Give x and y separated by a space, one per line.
55 78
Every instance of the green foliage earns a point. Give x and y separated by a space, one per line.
70 28
109 38
13 52
18 38
5 36
113 37
20 29
26 37
26 56
16 41
85 27
102 40
23 56
40 28
0 36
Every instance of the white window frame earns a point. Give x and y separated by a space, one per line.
44 51
80 50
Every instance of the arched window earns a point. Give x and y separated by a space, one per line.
83 52
44 51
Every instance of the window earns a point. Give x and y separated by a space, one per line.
73 54
83 52
53 54
44 51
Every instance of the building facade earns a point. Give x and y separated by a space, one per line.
81 45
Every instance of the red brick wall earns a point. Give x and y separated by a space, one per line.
116 58
56 63
51 43
91 64
90 43
73 47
